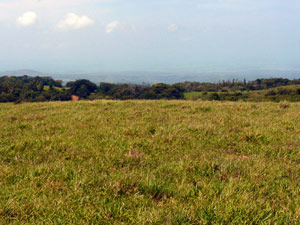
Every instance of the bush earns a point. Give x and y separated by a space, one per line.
284 105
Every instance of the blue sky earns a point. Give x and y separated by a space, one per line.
149 35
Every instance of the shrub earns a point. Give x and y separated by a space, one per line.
284 105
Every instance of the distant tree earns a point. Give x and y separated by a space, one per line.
70 84
58 83
107 88
83 88
214 96
40 87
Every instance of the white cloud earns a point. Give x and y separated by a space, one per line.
73 21
27 19
112 26
173 27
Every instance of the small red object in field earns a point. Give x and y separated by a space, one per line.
75 98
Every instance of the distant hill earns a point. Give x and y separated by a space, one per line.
22 72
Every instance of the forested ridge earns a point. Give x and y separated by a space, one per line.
40 89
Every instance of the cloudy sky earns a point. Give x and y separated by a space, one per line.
149 35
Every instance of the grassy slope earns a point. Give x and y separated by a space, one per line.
254 96
47 87
261 95
163 162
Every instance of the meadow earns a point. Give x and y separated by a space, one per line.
150 162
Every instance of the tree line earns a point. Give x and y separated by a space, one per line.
237 85
39 89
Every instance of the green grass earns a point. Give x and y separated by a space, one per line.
192 95
149 162
47 87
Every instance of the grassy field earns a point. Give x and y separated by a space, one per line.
150 162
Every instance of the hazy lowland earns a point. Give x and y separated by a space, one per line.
148 77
